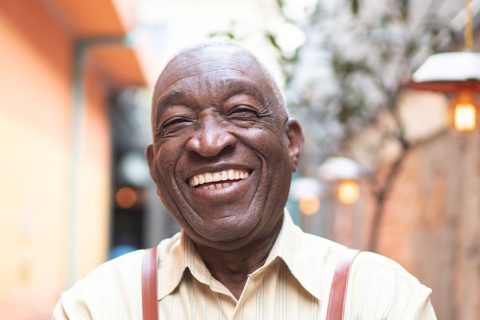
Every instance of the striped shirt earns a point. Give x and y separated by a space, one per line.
294 283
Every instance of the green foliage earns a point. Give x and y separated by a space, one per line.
280 3
227 34
354 6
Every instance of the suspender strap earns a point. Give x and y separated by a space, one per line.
338 290
336 301
149 284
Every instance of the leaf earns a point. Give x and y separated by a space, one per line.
230 35
355 6
280 3
273 41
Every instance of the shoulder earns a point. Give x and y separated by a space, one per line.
380 287
321 250
378 268
110 291
106 292
367 266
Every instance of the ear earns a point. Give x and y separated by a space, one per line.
150 159
295 142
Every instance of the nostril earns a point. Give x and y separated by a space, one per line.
211 144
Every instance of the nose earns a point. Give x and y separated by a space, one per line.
210 139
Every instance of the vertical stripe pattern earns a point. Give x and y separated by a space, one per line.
294 283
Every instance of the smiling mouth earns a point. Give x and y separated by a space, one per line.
218 180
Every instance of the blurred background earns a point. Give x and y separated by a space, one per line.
392 161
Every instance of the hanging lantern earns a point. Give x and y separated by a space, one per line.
345 173
463 112
307 192
457 73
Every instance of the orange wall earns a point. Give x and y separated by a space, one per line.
35 130
34 137
94 180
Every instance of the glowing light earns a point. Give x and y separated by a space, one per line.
465 117
126 197
348 191
463 112
309 205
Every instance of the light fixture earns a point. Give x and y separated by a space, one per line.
348 191
345 174
126 197
463 112
309 205
306 191
457 73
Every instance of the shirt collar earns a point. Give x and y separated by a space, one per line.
288 247
182 255
291 249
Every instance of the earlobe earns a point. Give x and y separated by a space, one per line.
296 142
150 160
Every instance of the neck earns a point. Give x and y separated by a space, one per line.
232 267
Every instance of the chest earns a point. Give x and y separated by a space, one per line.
275 296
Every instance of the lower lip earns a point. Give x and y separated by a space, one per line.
232 192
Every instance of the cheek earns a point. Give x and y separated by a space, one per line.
166 158
270 144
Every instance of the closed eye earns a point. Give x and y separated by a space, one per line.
175 121
243 112
173 125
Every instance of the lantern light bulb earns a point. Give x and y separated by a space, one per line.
309 205
464 112
348 191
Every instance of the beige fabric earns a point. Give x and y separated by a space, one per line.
294 283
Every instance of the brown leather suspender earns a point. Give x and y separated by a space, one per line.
338 290
335 304
149 285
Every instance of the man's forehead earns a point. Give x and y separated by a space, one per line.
210 59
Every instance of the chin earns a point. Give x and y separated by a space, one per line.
224 235
229 233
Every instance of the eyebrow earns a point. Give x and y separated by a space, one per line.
243 86
173 97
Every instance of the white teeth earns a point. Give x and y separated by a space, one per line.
225 175
208 177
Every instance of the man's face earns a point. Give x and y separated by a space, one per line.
223 150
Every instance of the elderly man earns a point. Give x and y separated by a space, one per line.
223 153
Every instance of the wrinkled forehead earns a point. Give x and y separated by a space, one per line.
220 60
